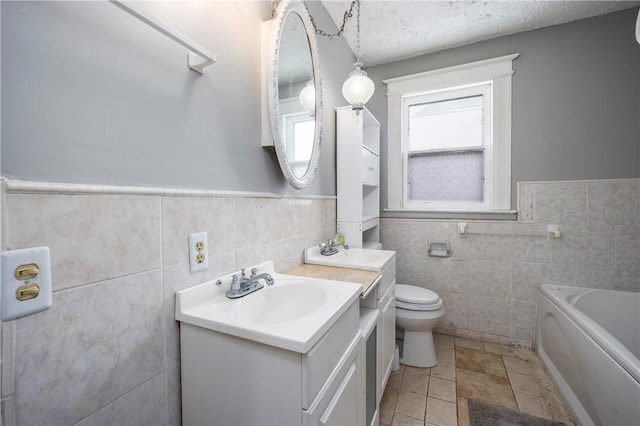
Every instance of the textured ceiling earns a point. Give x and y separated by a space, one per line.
395 30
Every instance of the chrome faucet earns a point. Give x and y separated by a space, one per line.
331 247
241 285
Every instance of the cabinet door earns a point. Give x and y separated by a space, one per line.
388 341
370 167
341 401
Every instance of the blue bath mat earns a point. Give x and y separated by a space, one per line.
481 414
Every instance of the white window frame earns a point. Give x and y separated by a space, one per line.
498 71
483 89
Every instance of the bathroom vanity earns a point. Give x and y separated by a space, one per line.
288 354
377 308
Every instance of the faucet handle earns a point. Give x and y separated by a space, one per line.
254 272
242 272
235 283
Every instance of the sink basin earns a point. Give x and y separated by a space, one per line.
355 258
290 300
292 314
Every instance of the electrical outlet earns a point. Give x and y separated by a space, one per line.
198 252
26 282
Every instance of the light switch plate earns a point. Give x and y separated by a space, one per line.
13 260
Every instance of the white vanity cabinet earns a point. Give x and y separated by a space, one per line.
387 343
228 380
382 298
358 177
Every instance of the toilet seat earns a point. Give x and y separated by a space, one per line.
415 298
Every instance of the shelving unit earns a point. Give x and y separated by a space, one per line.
358 167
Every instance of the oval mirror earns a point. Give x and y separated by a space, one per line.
295 94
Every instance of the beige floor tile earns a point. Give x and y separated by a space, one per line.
482 362
518 365
415 382
395 378
556 407
543 379
411 404
498 349
463 412
469 343
442 389
388 404
524 383
446 354
418 370
526 355
443 340
444 370
533 405
401 420
441 413
485 387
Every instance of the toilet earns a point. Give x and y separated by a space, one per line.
418 310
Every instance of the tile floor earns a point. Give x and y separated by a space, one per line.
469 369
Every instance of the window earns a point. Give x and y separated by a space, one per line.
450 139
299 130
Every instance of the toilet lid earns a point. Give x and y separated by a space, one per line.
416 298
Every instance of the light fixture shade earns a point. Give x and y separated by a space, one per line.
358 88
307 97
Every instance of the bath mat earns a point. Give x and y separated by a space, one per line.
481 414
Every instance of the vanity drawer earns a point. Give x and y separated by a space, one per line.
341 402
370 167
322 359
388 275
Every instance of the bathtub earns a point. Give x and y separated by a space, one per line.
589 342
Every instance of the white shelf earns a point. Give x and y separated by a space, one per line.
358 173
370 222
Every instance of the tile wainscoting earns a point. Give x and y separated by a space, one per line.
108 350
490 283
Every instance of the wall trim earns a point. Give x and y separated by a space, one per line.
16 186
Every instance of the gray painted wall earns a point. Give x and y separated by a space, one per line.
576 98
92 95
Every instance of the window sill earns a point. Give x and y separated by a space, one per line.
450 214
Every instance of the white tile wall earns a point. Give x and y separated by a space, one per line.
490 283
108 351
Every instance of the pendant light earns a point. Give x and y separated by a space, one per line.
307 97
358 88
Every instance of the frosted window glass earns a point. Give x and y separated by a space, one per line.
447 124
447 176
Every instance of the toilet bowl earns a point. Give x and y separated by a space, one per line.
418 310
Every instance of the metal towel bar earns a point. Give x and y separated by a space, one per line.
198 59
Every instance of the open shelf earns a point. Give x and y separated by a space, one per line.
358 174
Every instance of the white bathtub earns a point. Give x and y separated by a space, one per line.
589 341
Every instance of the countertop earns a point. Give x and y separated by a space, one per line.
364 278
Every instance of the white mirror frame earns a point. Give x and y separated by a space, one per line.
284 9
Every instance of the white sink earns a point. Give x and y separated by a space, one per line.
290 300
355 258
292 314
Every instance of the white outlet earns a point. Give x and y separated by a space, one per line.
198 252
26 282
